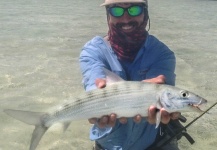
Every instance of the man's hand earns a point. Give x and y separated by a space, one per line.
158 80
165 116
111 119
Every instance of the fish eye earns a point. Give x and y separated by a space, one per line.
184 94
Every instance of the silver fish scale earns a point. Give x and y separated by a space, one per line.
124 98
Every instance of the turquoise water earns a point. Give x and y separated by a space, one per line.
40 42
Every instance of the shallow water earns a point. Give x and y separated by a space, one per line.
40 42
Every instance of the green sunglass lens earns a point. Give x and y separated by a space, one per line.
135 10
117 11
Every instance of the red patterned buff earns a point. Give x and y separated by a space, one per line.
127 45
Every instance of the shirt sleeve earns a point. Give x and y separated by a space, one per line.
97 133
91 64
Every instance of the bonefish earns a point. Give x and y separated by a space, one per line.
124 98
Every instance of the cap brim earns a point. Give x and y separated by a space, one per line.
110 3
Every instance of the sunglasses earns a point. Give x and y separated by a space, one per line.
117 11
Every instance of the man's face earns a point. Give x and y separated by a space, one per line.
126 23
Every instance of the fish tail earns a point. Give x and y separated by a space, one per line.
36 136
31 118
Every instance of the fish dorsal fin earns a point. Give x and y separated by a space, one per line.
111 77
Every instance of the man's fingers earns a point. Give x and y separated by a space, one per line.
152 114
112 120
123 120
158 80
165 116
100 83
137 118
175 115
103 121
92 120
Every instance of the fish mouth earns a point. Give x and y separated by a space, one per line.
202 101
196 106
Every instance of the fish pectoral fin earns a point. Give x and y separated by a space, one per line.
158 114
158 105
65 126
158 118
36 136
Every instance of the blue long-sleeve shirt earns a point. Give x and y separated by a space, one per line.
153 59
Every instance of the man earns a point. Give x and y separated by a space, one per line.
129 51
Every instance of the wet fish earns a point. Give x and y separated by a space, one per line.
124 98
